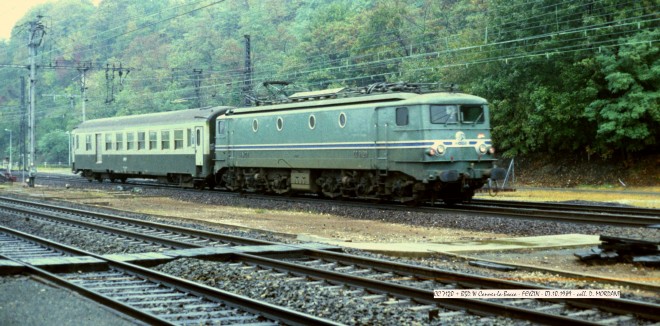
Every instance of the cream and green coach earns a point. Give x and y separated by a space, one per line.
174 147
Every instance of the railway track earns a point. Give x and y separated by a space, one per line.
564 212
379 280
151 297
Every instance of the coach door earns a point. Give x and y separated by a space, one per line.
199 146
99 146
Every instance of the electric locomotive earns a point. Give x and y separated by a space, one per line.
400 143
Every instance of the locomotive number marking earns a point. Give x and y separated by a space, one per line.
360 154
244 155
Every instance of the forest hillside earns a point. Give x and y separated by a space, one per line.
578 78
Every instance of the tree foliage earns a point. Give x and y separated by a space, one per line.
563 77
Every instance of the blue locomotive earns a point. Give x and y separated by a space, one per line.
388 141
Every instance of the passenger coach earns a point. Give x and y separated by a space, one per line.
173 147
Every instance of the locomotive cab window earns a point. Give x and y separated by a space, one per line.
472 114
342 120
402 116
444 114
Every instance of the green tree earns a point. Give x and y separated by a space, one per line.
53 147
627 110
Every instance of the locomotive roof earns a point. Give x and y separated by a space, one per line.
153 119
374 100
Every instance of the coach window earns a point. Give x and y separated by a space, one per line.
342 120
77 141
130 141
141 140
312 122
108 142
189 137
119 141
178 139
401 116
153 140
165 139
88 142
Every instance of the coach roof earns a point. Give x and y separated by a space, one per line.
151 120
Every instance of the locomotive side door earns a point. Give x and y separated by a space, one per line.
383 117
199 145
222 142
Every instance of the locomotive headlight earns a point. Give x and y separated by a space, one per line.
483 148
440 149
430 152
491 150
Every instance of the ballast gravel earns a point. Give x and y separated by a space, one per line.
344 305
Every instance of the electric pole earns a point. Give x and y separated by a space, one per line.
198 84
22 131
247 83
37 32
83 88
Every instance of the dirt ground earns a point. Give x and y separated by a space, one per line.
297 224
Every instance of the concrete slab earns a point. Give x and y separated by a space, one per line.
8 267
255 249
427 248
67 264
200 252
144 259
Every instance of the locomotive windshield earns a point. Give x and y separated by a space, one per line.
446 114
